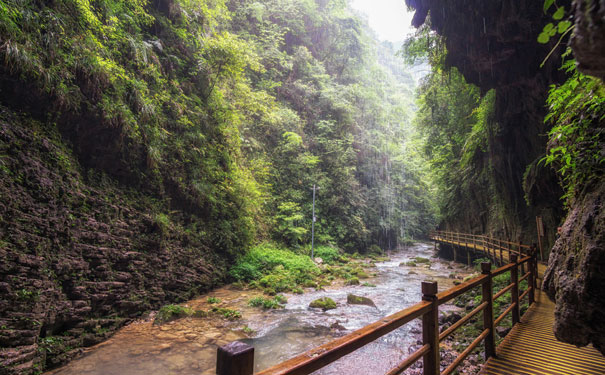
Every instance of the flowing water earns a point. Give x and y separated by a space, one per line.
188 346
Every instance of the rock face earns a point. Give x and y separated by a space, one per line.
574 278
588 40
493 44
81 256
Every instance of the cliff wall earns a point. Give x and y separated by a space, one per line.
81 254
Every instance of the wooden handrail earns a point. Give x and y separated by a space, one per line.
325 354
459 323
409 360
240 355
503 290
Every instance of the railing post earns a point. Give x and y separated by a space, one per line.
500 247
508 249
521 256
531 283
430 329
235 358
488 312
514 278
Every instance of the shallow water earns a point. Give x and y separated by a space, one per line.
188 346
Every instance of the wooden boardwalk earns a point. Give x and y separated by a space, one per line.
532 349
487 251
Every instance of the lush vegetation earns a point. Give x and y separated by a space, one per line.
576 114
275 269
455 123
231 111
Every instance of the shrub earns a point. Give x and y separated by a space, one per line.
213 300
274 270
262 259
329 254
267 303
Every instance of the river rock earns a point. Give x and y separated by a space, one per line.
359 300
502 331
325 303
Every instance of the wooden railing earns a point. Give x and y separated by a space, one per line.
495 248
237 358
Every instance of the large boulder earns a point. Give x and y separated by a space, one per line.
575 279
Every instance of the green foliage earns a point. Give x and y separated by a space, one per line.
274 269
226 313
213 300
27 295
577 139
328 254
230 111
277 302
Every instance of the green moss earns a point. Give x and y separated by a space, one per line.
324 303
352 281
172 312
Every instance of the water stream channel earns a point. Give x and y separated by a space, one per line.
188 346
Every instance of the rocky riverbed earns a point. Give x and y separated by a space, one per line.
188 345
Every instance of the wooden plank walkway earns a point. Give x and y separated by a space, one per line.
532 349
541 265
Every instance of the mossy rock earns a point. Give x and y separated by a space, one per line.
362 274
352 281
422 260
325 303
412 273
169 313
352 299
411 263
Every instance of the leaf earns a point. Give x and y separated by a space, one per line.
563 26
543 38
548 4
548 27
559 13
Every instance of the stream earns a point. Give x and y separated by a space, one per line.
188 346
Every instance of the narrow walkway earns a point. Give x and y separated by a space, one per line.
488 252
532 349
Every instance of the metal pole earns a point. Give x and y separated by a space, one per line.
313 225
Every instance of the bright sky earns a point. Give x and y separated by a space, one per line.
389 18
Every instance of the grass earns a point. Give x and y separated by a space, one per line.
213 300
